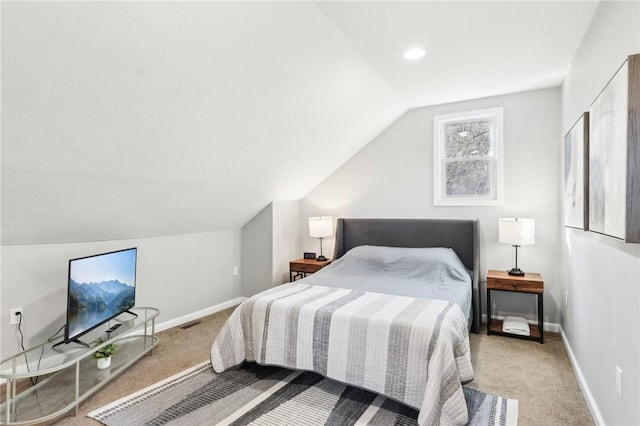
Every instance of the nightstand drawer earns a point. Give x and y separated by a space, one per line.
513 285
302 267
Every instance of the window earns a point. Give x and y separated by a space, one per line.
468 158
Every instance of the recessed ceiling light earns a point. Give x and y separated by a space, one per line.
414 53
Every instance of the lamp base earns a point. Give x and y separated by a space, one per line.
516 271
321 258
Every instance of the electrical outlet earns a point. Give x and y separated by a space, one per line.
235 271
619 381
17 315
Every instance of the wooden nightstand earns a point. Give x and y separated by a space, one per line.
529 283
302 267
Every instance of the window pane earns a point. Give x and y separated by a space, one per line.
468 138
468 178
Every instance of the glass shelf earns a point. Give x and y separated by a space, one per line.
70 369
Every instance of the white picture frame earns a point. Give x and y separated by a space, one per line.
468 158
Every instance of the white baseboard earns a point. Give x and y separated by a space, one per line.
591 403
198 314
551 327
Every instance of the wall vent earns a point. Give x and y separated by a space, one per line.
191 324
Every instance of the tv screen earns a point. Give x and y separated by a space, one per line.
100 288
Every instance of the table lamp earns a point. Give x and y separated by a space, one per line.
321 227
517 232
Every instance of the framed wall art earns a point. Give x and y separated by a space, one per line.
576 175
468 165
614 156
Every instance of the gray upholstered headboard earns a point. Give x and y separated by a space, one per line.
460 235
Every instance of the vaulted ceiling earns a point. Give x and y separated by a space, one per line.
136 119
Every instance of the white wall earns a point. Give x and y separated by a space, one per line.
178 275
257 253
269 241
286 238
601 274
392 177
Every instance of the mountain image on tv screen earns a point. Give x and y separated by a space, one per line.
100 287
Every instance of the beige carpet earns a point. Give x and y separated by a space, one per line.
539 376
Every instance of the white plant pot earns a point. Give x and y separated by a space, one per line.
103 374
104 363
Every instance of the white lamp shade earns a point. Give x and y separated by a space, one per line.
321 226
516 231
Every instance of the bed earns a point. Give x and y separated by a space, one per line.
410 347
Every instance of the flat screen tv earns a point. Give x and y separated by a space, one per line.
100 288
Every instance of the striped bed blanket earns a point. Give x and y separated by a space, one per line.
410 349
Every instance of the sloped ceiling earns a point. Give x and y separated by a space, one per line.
137 119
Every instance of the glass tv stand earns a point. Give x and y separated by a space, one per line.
68 374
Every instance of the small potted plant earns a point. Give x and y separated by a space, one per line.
103 355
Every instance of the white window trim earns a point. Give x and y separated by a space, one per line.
439 198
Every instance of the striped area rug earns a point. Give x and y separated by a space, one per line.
260 395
